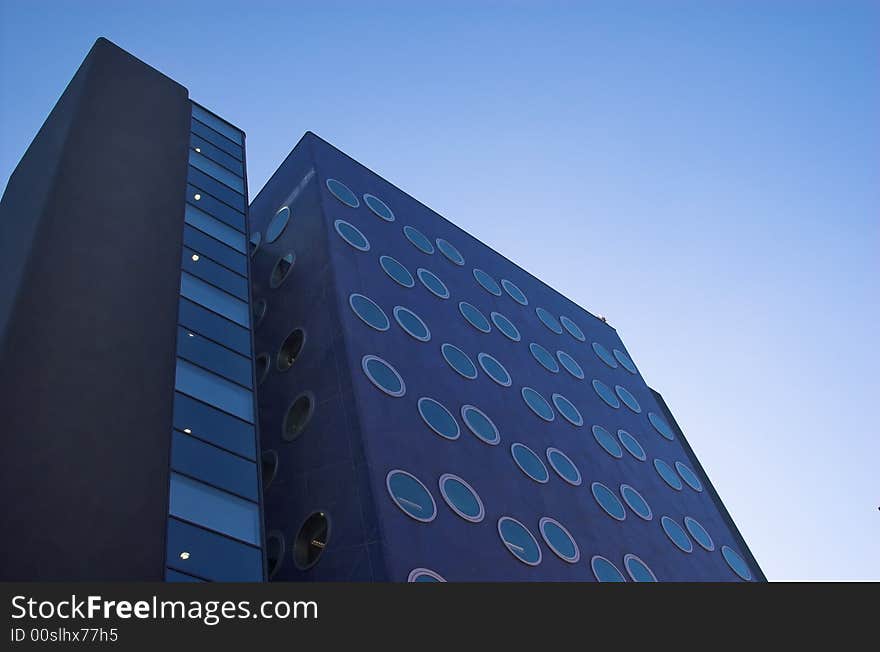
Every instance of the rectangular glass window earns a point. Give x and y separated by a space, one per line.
215 250
215 228
174 576
217 124
205 353
220 191
214 390
216 170
214 327
214 299
213 465
214 138
219 428
211 556
199 264
217 510
216 154
215 208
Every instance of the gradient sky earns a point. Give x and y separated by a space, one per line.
703 173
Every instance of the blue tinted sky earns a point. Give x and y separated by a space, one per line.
704 174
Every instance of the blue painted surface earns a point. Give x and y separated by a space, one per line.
358 434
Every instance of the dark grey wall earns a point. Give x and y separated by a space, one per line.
92 221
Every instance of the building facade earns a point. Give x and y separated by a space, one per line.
431 411
129 431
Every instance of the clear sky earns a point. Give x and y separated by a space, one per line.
703 173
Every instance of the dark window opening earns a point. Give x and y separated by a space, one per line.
298 415
269 463
281 270
274 552
311 540
290 349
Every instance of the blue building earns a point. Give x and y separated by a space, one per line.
430 411
129 418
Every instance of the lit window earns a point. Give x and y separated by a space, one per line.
453 254
487 282
529 462
474 317
559 540
369 312
494 369
606 441
411 495
677 534
277 224
605 393
343 193
564 467
461 498
544 357
480 424
636 502
549 320
311 540
605 571
412 324
515 293
571 366
567 410
379 207
383 375
699 533
434 284
459 361
736 563
573 329
519 541
397 271
638 570
418 239
608 501
352 235
538 404
438 418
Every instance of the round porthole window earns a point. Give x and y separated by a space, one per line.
559 540
567 410
290 349
699 533
369 312
418 239
424 575
434 284
632 445
514 292
564 467
736 563
474 317
604 355
638 570
343 193
549 320
538 404
506 326
259 311
573 329
453 254
608 501
268 467
396 271
636 502
606 394
311 540
487 282
459 361
254 243
383 375
461 498
519 541
607 442
669 476
544 357
480 424
661 426
494 369
379 207
275 546
529 462
261 367
277 224
412 324
689 476
625 361
411 495
605 571
281 270
629 400
298 416
438 418
677 534
571 366
352 235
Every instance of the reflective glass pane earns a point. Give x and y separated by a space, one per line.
217 171
661 426
215 250
544 357
505 326
559 540
419 240
205 353
215 228
494 369
217 510
411 495
459 361
383 375
563 466
202 421
433 283
736 563
489 284
538 404
218 125
213 465
608 501
529 462
397 271
215 327
605 571
605 355
549 320
448 250
461 498
480 424
369 312
211 388
200 265
343 193
211 556
571 366
519 541
669 476
514 292
607 441
573 329
214 299
476 318
606 394
352 235
677 534
568 410
632 445
438 418
379 207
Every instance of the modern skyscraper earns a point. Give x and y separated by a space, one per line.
427 409
127 404
430 410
